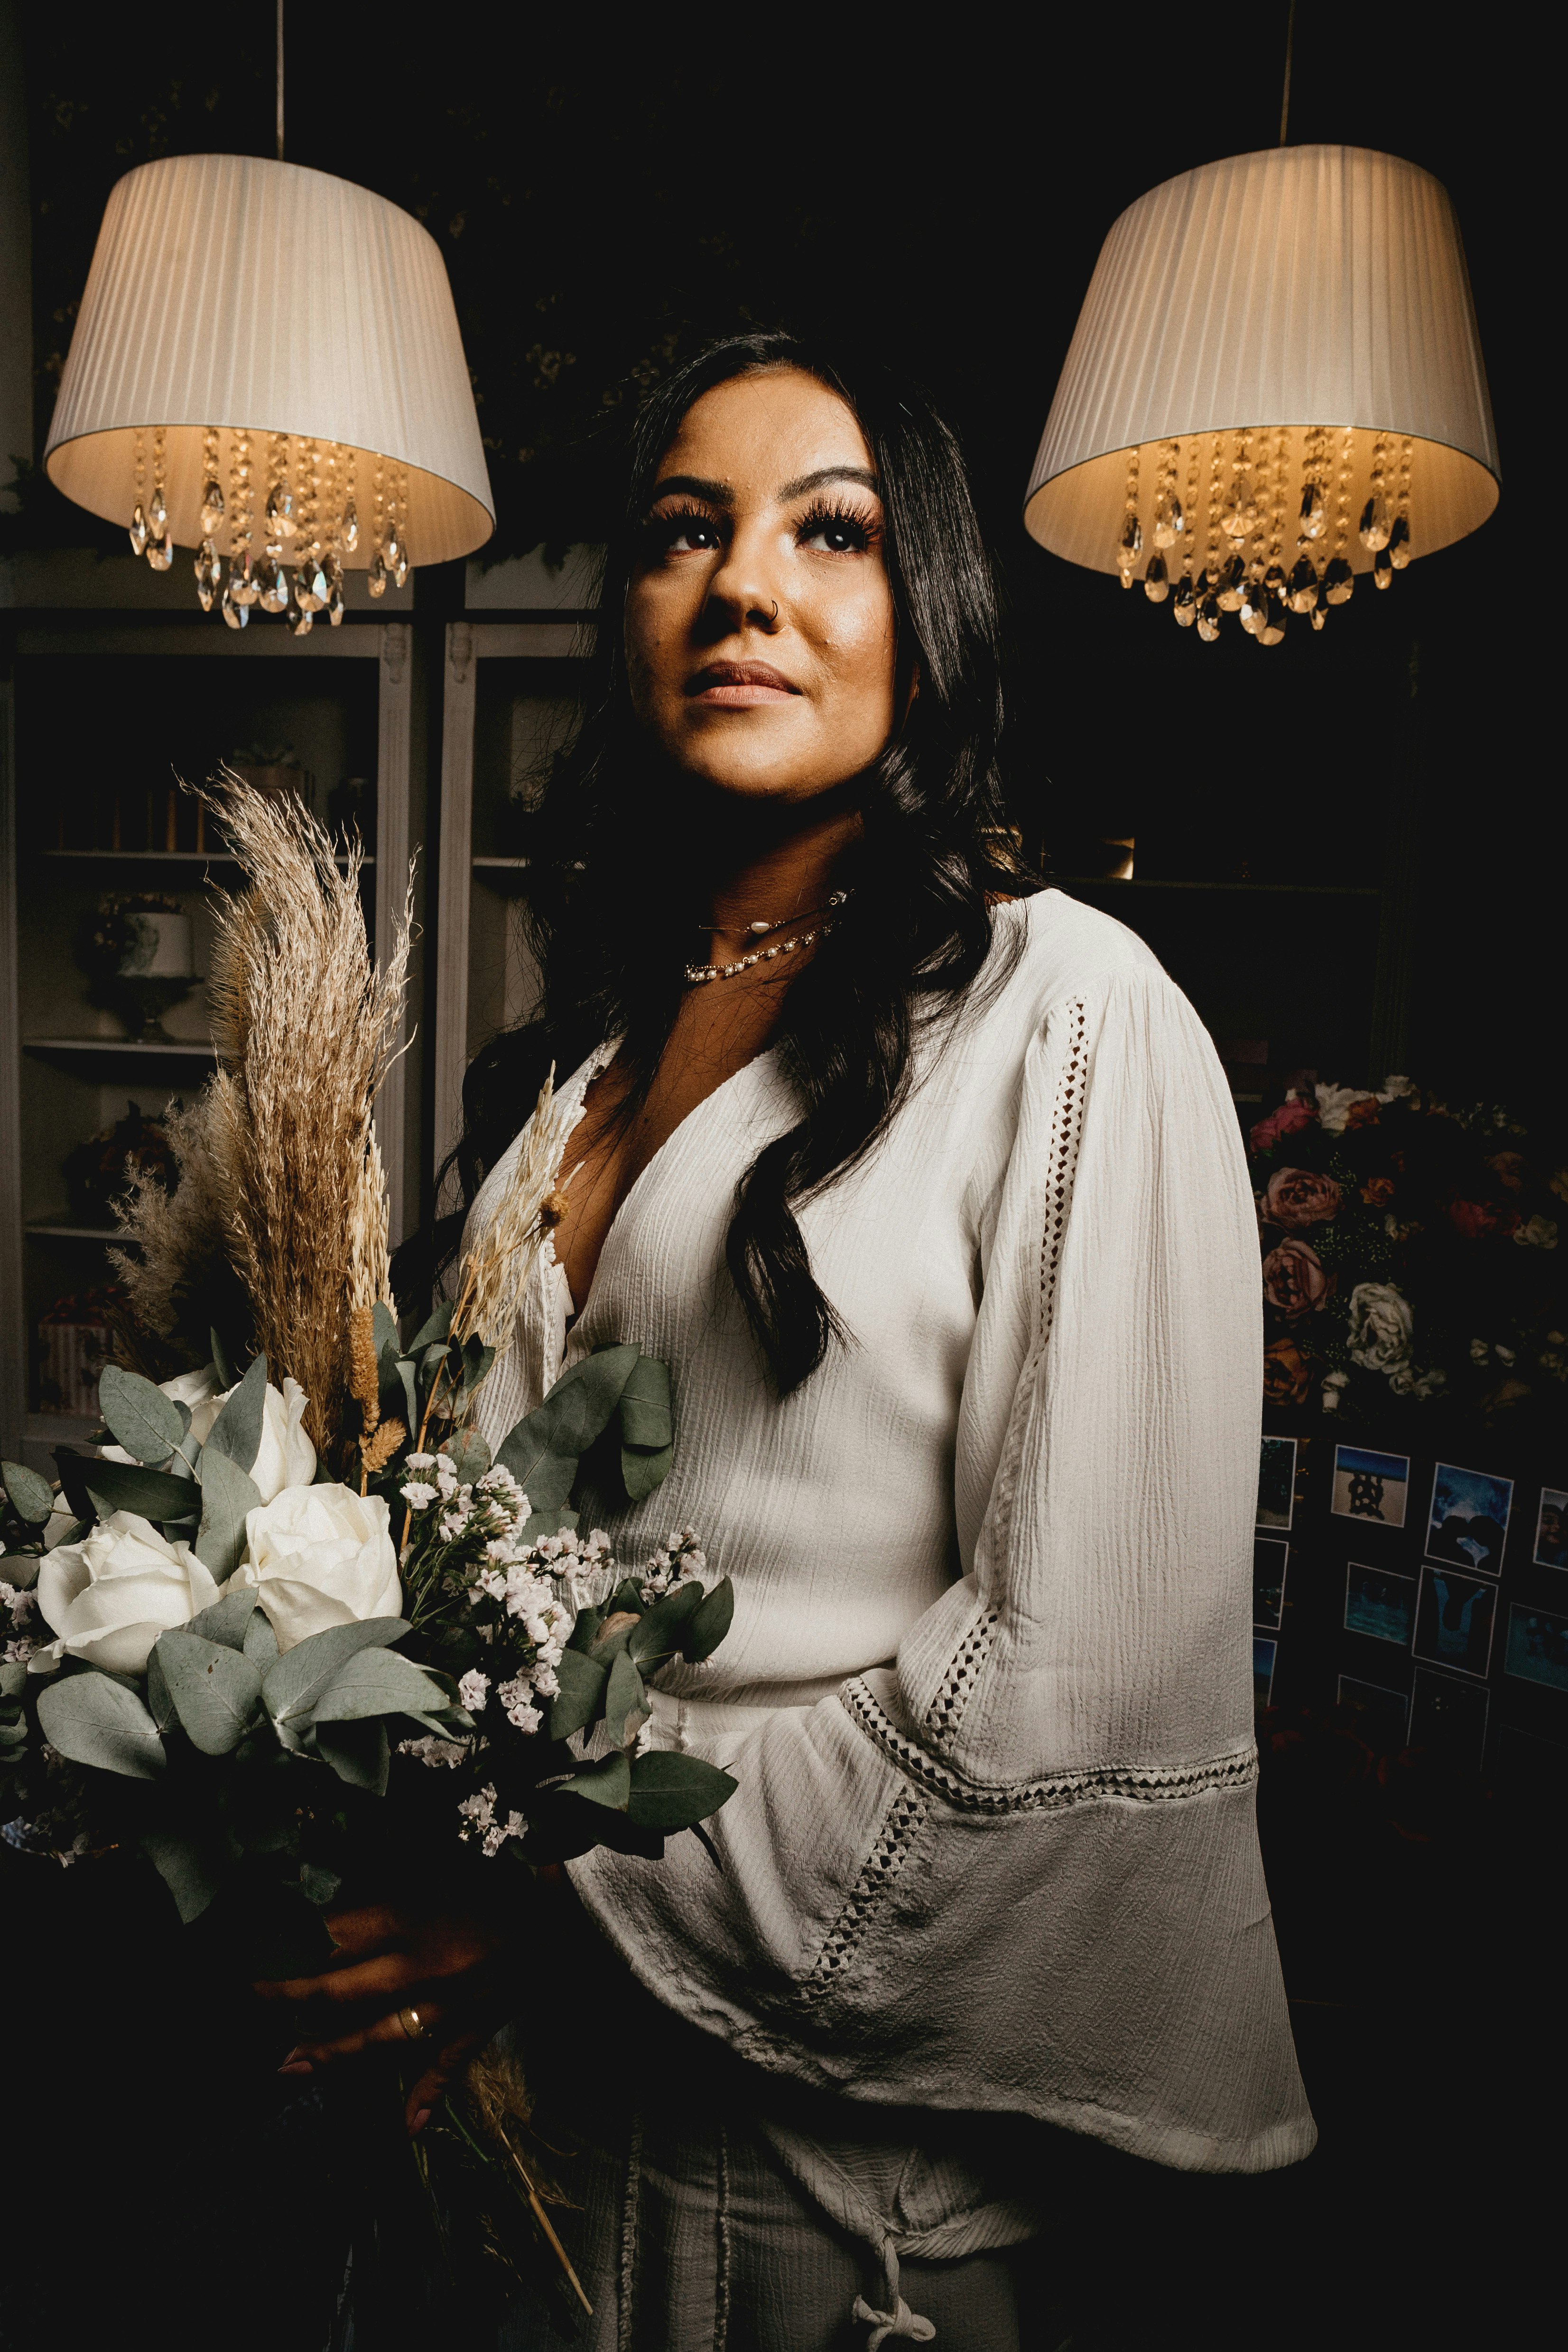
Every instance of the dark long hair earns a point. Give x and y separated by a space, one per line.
609 906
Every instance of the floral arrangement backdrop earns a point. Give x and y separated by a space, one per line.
1411 1261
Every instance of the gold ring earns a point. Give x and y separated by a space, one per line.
412 2024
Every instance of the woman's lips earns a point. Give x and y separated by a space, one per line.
739 686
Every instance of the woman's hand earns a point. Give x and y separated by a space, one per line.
444 1968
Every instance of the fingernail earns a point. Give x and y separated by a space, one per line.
297 2066
420 2120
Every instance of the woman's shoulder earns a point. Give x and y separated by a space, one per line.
1060 948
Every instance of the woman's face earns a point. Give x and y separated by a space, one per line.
759 622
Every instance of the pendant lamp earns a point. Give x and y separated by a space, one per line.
1275 387
267 367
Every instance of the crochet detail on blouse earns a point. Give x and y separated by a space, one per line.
1234 1768
946 1711
903 1819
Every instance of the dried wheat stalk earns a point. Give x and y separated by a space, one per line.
499 1259
181 1237
306 1027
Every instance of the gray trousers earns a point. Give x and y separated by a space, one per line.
720 2210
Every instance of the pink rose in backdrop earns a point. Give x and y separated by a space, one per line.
1295 1280
1287 1120
1296 1197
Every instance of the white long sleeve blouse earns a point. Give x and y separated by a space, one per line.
988 1693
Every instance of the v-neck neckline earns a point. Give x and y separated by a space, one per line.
601 1058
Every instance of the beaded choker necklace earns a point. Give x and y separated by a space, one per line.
698 974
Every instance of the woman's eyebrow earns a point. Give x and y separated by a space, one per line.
691 486
861 474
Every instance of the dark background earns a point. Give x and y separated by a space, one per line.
609 190
606 193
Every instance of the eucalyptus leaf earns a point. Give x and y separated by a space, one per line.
626 1704
13 1679
645 1418
228 1619
642 1473
383 1328
435 1331
151 1494
543 1451
607 1783
227 1494
165 1714
237 1429
319 1883
670 1791
662 1629
73 1468
470 1455
216 1690
293 1685
31 1497
95 1721
553 1522
187 1868
144 1421
21 1567
710 1622
377 1682
359 1753
585 1632
222 1365
405 1372
260 1641
581 1699
476 1361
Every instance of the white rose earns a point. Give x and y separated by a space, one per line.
1380 1323
1539 1233
320 1556
110 1596
284 1458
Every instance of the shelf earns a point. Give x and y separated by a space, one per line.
182 857
60 1229
511 864
139 1049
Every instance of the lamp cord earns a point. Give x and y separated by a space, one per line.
280 76
1284 96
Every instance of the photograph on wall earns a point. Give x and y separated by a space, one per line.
1371 1487
1263 1654
1454 1621
1449 1716
1552 1530
1384 1714
1468 1517
1379 1603
1276 1481
1537 1649
1269 1558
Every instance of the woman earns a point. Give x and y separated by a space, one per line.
933 1200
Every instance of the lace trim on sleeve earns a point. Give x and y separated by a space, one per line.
948 1709
900 1824
1234 1768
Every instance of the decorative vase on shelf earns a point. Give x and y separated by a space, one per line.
155 972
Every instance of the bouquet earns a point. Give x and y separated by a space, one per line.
1410 1257
293 1597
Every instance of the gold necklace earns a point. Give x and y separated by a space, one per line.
698 974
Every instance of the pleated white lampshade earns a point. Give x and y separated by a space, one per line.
234 295
1293 318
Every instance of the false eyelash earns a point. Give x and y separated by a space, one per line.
686 511
839 511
